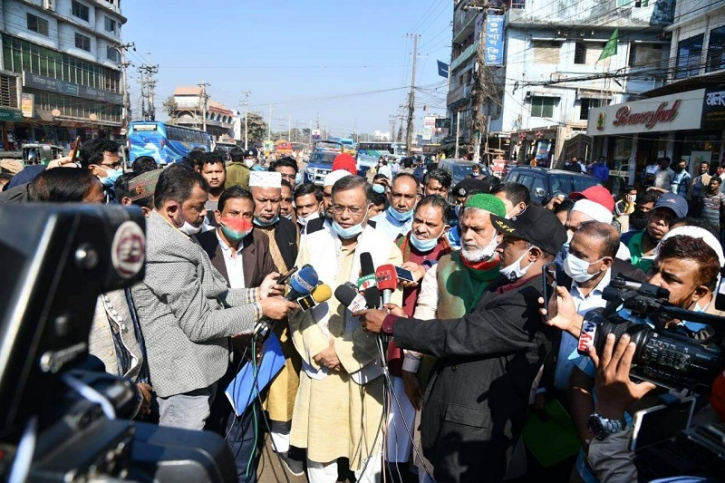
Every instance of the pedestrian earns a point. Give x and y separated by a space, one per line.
712 204
239 168
681 179
600 170
664 176
699 184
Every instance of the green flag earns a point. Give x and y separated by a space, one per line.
610 48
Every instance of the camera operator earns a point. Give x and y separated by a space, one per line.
684 265
186 310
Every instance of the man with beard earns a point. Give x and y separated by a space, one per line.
215 174
669 207
475 404
644 204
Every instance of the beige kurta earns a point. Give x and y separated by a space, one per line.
335 417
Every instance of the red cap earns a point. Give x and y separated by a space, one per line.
597 194
346 162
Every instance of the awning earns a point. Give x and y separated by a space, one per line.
593 94
44 115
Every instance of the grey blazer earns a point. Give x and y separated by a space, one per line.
187 312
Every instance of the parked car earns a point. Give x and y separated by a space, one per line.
459 169
542 182
319 166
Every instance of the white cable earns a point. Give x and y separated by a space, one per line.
90 394
24 458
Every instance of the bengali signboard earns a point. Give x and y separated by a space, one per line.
43 83
493 53
713 108
27 104
429 125
8 114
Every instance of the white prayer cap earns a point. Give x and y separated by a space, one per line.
696 232
335 176
265 179
594 210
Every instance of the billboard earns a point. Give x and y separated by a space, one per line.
493 52
429 125
713 109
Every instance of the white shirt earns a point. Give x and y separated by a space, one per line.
568 342
390 226
235 268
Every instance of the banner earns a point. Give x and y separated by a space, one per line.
442 69
27 104
493 53
44 83
429 124
713 108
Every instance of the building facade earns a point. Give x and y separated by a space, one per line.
684 119
193 104
60 74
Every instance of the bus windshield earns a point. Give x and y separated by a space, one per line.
165 143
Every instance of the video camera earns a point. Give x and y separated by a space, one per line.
62 417
665 356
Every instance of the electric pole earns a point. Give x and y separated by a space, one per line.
246 118
289 129
203 100
392 117
411 98
269 126
147 91
121 49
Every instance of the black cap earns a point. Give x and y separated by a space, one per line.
251 152
537 226
470 185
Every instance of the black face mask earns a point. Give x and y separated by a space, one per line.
638 220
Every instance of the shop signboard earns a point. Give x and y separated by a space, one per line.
429 124
27 104
674 112
713 108
493 53
8 114
44 83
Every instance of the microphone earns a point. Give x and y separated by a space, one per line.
348 296
321 293
367 267
301 284
387 279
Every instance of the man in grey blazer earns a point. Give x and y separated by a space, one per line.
185 308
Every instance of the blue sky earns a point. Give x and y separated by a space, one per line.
349 61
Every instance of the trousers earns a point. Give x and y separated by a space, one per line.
188 410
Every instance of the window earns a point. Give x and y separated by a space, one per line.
8 91
633 3
580 53
546 52
81 11
112 54
645 55
587 104
110 25
37 24
716 50
689 52
543 106
83 42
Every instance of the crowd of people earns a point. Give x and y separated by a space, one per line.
440 378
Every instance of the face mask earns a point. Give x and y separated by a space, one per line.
481 254
514 271
260 222
289 217
457 209
577 268
398 216
565 246
304 220
113 175
298 179
249 163
631 198
235 229
348 233
423 245
378 188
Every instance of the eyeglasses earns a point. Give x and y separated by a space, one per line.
115 165
339 210
288 176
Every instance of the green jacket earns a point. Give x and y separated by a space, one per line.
237 175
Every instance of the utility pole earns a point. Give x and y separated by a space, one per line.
289 129
392 117
411 98
458 131
269 126
147 92
121 49
246 118
203 99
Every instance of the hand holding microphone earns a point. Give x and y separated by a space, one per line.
387 279
274 308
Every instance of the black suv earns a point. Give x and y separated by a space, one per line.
542 182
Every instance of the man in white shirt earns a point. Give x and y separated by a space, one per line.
398 218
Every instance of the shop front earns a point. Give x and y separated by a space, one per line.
636 134
8 119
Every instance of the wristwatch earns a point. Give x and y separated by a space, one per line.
601 427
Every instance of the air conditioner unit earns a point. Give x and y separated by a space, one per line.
49 5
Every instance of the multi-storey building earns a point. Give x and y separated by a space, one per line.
193 104
684 119
60 65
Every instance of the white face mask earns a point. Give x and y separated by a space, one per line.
577 268
249 162
514 271
482 254
188 229
304 220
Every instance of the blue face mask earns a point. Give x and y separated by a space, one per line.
347 233
423 245
113 175
401 217
378 188
260 222
298 179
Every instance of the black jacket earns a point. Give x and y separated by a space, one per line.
475 403
286 237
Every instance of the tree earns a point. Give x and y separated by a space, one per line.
257 129
170 107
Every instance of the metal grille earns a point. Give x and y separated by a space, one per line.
8 91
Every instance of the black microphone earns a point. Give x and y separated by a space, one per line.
371 292
348 296
301 284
